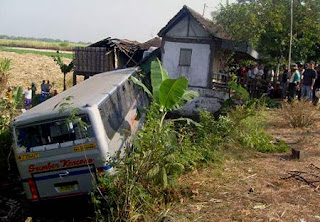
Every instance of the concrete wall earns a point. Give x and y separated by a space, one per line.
197 73
209 100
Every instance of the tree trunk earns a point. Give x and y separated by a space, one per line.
64 81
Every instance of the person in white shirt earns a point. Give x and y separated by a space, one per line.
28 97
260 72
253 71
271 74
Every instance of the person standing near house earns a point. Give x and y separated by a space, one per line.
293 82
28 98
49 87
271 74
260 72
9 94
307 82
284 81
43 86
33 89
301 68
316 87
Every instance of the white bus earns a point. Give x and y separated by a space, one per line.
55 156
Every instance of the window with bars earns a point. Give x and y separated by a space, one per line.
185 57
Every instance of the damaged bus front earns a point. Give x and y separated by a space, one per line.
59 156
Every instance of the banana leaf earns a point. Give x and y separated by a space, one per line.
158 75
171 92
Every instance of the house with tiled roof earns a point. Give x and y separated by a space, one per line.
197 48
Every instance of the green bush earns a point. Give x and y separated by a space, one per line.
163 150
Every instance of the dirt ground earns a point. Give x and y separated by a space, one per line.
255 189
28 68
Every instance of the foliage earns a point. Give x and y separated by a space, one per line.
265 25
8 110
65 69
147 172
146 175
169 94
299 114
238 94
4 72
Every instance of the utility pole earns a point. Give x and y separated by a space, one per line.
204 9
291 32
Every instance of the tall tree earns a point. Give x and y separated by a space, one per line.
265 25
65 69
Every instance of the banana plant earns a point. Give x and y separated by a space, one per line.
65 69
169 94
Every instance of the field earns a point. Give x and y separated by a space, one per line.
37 44
45 52
258 188
29 67
247 186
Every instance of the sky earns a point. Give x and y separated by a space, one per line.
93 20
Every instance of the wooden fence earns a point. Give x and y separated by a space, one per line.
90 60
255 87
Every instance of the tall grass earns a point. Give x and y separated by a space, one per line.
147 175
66 46
299 114
4 70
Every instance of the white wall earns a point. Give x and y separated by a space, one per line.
198 71
181 29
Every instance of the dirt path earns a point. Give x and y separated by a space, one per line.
253 189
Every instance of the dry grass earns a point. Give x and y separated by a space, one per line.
223 194
37 44
28 68
299 113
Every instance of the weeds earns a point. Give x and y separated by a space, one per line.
299 114
4 73
146 176
8 110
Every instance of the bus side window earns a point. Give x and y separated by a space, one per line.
111 116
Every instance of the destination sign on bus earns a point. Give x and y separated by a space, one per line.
61 164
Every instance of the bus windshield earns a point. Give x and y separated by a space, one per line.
57 132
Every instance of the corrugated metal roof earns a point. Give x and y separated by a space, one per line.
128 44
89 92
155 42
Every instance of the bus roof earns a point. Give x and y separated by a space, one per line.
89 92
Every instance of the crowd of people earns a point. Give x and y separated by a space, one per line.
30 93
259 72
301 81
